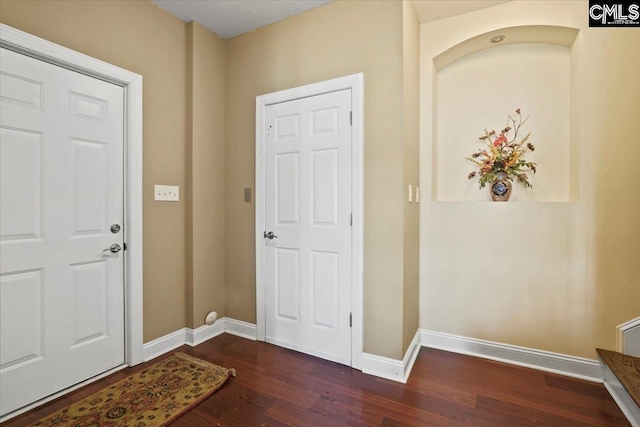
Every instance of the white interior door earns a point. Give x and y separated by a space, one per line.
61 189
308 207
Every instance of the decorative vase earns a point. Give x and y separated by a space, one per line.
500 188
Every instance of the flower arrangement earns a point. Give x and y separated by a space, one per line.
504 154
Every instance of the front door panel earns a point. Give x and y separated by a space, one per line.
61 187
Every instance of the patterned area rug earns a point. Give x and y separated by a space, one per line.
153 397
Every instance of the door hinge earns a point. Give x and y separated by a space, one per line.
350 117
350 320
351 219
124 246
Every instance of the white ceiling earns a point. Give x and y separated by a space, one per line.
432 10
228 18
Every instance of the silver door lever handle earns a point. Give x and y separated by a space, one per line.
270 235
114 249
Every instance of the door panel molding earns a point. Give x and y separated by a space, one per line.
27 44
354 82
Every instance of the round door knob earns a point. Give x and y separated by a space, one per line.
114 249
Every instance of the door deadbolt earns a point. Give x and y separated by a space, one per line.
115 228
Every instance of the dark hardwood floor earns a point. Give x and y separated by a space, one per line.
279 387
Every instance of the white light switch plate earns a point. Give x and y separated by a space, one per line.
167 193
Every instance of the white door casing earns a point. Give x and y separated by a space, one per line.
309 278
61 188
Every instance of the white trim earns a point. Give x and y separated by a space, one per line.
392 369
354 82
61 393
622 398
240 328
164 344
621 329
193 337
38 48
571 366
411 355
383 367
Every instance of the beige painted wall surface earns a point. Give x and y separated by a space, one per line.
205 174
142 38
530 76
342 38
411 105
550 276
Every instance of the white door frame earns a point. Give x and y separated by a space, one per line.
355 82
27 44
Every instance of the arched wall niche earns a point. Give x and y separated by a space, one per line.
476 83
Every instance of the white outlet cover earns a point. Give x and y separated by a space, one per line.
166 193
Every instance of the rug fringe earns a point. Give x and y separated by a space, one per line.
204 363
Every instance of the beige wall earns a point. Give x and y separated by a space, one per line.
205 175
572 271
335 40
551 276
530 76
139 37
193 247
183 70
411 105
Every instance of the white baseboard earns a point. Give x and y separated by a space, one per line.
241 329
193 337
164 344
622 398
392 369
199 335
411 355
577 367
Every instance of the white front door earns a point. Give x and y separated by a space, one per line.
308 210
61 190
